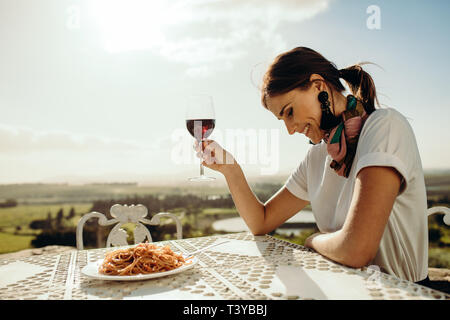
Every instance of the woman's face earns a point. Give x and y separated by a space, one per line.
300 111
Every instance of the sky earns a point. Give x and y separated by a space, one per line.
96 90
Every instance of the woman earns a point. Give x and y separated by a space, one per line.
363 176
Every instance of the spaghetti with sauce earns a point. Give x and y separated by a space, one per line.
142 259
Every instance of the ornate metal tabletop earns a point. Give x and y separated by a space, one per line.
246 267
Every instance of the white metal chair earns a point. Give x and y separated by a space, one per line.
123 214
444 210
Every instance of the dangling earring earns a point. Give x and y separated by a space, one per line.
328 119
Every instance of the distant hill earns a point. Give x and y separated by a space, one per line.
66 193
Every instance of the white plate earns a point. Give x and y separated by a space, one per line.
91 270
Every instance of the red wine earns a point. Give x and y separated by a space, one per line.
200 127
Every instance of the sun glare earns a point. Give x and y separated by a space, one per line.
132 24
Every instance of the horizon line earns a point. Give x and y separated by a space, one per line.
174 180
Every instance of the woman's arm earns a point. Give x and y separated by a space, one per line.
356 244
260 218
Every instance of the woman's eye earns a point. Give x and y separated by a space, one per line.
291 112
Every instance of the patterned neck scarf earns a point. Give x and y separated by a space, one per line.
344 137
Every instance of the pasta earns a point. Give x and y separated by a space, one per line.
142 259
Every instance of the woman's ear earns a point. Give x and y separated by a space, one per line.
317 81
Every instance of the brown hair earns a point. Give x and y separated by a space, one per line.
292 69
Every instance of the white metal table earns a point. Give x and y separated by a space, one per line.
247 267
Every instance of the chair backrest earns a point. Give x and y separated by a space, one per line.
123 214
444 210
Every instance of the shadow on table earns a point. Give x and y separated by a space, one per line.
291 280
443 286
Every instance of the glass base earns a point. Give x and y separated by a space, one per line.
202 178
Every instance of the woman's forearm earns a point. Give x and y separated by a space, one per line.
328 245
339 247
247 204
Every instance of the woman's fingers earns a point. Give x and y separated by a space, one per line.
206 159
212 153
212 150
207 146
204 144
206 156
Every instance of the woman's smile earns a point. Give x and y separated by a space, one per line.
306 130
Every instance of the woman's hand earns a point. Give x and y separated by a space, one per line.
214 156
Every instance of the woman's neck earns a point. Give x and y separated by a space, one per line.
339 103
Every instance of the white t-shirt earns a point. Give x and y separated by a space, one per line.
386 139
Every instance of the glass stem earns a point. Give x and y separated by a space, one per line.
202 169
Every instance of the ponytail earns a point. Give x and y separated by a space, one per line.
361 85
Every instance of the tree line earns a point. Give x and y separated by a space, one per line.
8 203
55 231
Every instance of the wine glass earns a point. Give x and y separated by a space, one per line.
200 122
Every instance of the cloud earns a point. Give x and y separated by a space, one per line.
29 155
206 35
20 140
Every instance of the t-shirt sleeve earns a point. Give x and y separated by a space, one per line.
387 141
297 181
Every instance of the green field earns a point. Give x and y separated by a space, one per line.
22 215
13 243
15 233
439 257
212 211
